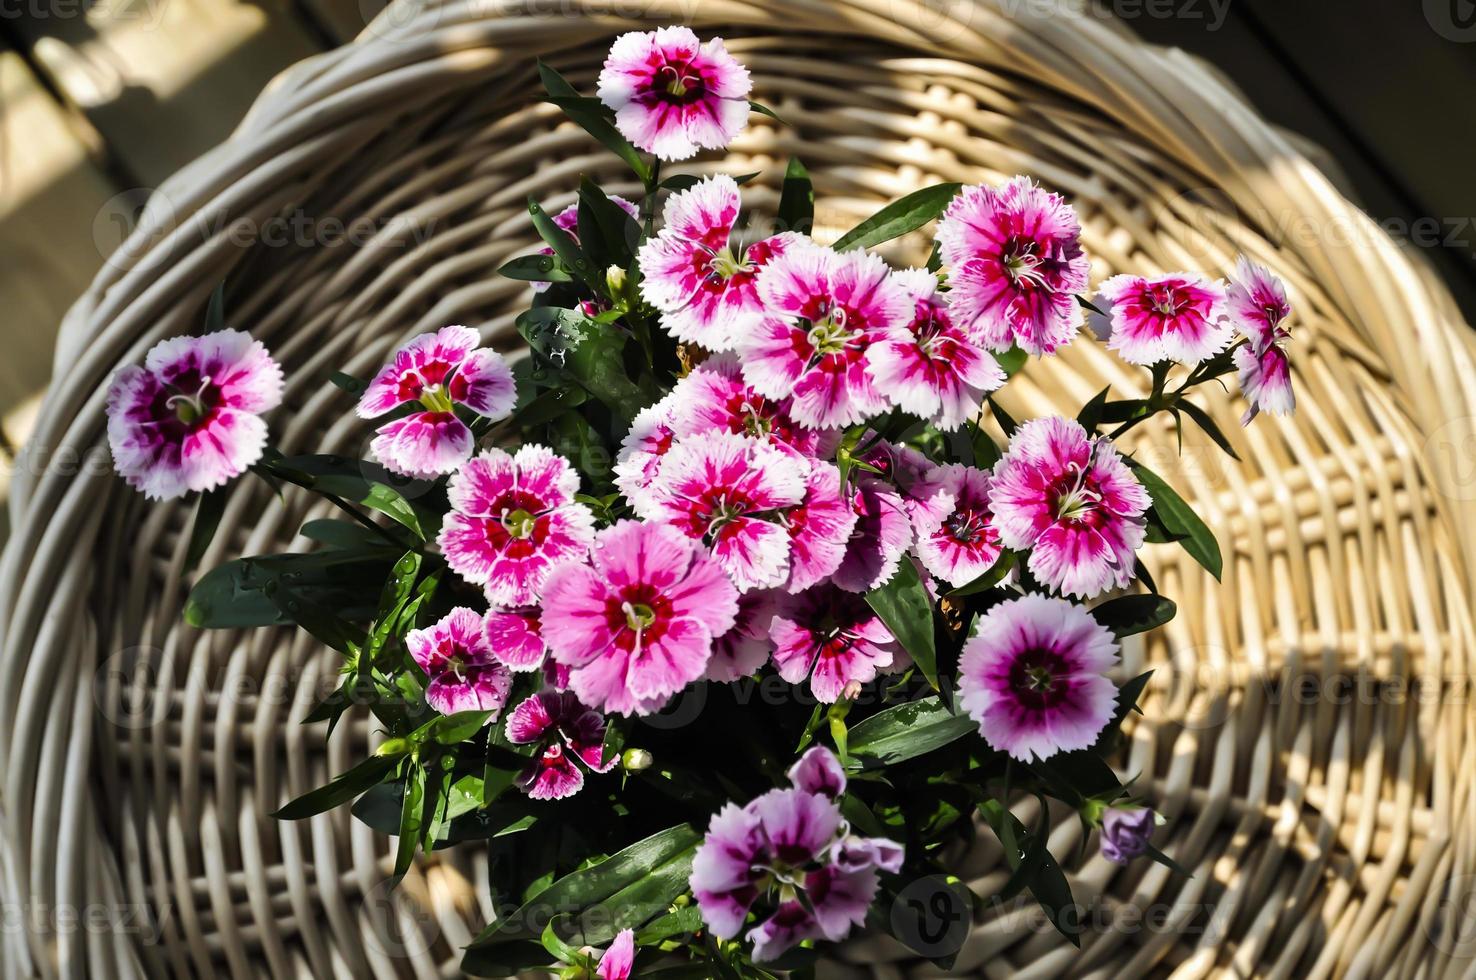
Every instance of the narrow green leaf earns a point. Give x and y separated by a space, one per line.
902 603
906 731
1006 422
764 110
348 383
1090 415
898 218
344 787
990 578
796 198
215 309
1209 426
1179 519
208 510
1131 614
566 248
592 116
535 268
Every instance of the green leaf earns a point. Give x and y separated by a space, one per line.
215 310
1209 426
1012 361
202 530
1006 422
233 595
608 235
348 383
344 787
1161 858
452 729
796 198
986 452
622 891
902 603
898 218
592 116
1090 415
764 110
1087 304
906 731
416 811
676 923
990 578
535 268
1131 614
566 248
344 536
1179 519
357 481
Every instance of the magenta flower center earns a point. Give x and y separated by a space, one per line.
435 398
1022 264
637 617
967 526
1039 679
1078 499
678 83
187 403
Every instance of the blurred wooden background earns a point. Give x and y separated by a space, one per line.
100 100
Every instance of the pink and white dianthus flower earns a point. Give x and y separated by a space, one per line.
1258 307
651 435
714 396
463 672
515 638
933 371
438 372
724 490
909 470
761 856
1015 264
617 962
568 221
697 275
672 94
881 536
1033 678
746 647
189 418
1071 500
820 528
833 638
571 738
513 520
1179 316
963 545
637 624
825 310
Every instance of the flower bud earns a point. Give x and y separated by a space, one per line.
392 747
1125 833
615 279
634 760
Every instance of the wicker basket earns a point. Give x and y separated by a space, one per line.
1308 731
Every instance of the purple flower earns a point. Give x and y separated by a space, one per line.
571 738
1125 833
1032 677
188 419
464 673
785 844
